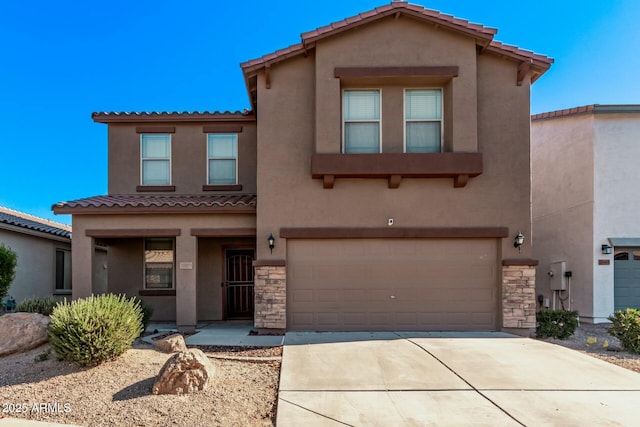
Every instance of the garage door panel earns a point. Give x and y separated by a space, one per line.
409 284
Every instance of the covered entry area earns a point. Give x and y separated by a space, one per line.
392 284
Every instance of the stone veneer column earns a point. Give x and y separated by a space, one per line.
270 290
519 294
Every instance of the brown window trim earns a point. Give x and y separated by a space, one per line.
135 232
520 262
395 166
155 188
234 187
269 263
223 232
155 129
222 129
157 292
394 233
347 72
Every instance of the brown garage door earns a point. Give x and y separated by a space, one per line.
392 284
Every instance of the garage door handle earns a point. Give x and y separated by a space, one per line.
392 296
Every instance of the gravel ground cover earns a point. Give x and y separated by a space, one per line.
118 393
595 341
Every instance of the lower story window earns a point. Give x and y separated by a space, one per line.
158 263
63 270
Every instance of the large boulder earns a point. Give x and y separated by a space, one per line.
184 373
171 344
22 331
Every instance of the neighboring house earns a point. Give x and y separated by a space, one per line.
388 157
43 249
585 208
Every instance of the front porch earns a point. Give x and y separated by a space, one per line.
189 264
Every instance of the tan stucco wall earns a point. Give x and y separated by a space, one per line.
188 158
413 44
286 140
35 270
563 204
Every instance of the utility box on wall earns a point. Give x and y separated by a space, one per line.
557 279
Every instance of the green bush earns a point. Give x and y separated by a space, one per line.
147 312
96 329
8 262
626 327
559 324
42 305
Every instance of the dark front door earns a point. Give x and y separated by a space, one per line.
239 284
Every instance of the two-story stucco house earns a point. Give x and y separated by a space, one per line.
378 183
585 208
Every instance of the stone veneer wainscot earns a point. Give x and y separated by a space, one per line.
519 296
270 296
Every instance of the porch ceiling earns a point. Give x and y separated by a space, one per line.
114 204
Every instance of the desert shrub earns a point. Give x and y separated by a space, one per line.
42 305
147 312
96 329
559 324
8 262
626 327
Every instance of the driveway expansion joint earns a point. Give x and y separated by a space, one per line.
464 380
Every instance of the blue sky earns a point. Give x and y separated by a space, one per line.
60 61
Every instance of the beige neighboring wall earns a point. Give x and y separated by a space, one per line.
188 143
36 268
287 138
563 204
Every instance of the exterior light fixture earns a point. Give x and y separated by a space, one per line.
272 242
518 241
606 250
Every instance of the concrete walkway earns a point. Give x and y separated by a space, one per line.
233 333
430 379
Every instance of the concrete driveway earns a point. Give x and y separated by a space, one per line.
423 379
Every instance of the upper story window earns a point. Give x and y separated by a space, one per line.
361 121
423 120
222 159
158 263
156 159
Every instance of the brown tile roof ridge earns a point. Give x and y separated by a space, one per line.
451 21
589 109
32 222
160 201
499 46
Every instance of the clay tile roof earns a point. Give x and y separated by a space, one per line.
113 117
478 31
30 222
152 203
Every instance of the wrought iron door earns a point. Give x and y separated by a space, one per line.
239 284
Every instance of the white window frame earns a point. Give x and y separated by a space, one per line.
344 122
209 158
144 263
405 120
143 159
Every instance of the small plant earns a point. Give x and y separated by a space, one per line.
559 324
8 262
626 327
9 304
96 329
43 356
42 305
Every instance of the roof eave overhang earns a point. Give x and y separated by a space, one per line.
152 210
171 117
35 233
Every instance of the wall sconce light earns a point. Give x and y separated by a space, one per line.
272 242
606 250
518 241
